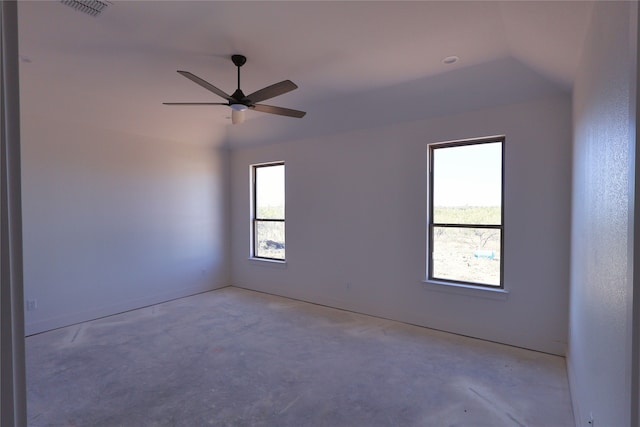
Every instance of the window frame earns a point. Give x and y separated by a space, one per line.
254 209
430 212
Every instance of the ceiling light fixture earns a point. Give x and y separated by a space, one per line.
237 116
450 60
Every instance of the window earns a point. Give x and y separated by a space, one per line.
268 211
466 231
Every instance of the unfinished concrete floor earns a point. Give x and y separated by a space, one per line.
233 357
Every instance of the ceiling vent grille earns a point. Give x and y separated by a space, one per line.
90 7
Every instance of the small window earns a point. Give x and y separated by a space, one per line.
466 231
268 211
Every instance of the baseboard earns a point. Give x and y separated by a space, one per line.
56 322
577 419
554 349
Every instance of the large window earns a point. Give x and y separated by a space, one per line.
466 212
268 211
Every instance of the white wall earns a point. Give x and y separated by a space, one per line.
356 211
115 221
599 358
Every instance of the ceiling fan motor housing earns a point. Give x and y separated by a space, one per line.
240 98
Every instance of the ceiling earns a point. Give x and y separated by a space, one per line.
356 63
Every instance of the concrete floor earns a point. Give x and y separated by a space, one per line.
233 357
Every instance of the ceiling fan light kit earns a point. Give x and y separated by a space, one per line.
237 117
239 102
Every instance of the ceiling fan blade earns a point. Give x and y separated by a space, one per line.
195 103
272 91
278 110
205 84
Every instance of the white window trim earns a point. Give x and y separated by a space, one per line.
466 290
274 263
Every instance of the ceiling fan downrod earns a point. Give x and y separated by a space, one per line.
238 61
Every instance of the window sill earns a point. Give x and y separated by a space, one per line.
468 290
273 263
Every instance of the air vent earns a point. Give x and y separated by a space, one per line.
90 7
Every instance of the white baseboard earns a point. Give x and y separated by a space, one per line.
111 309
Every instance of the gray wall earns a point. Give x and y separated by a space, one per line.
599 358
356 223
116 221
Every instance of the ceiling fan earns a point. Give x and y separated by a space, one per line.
239 102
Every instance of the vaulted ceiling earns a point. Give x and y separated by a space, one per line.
355 62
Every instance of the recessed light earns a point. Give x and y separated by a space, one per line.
450 60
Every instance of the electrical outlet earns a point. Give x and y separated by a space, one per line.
32 304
